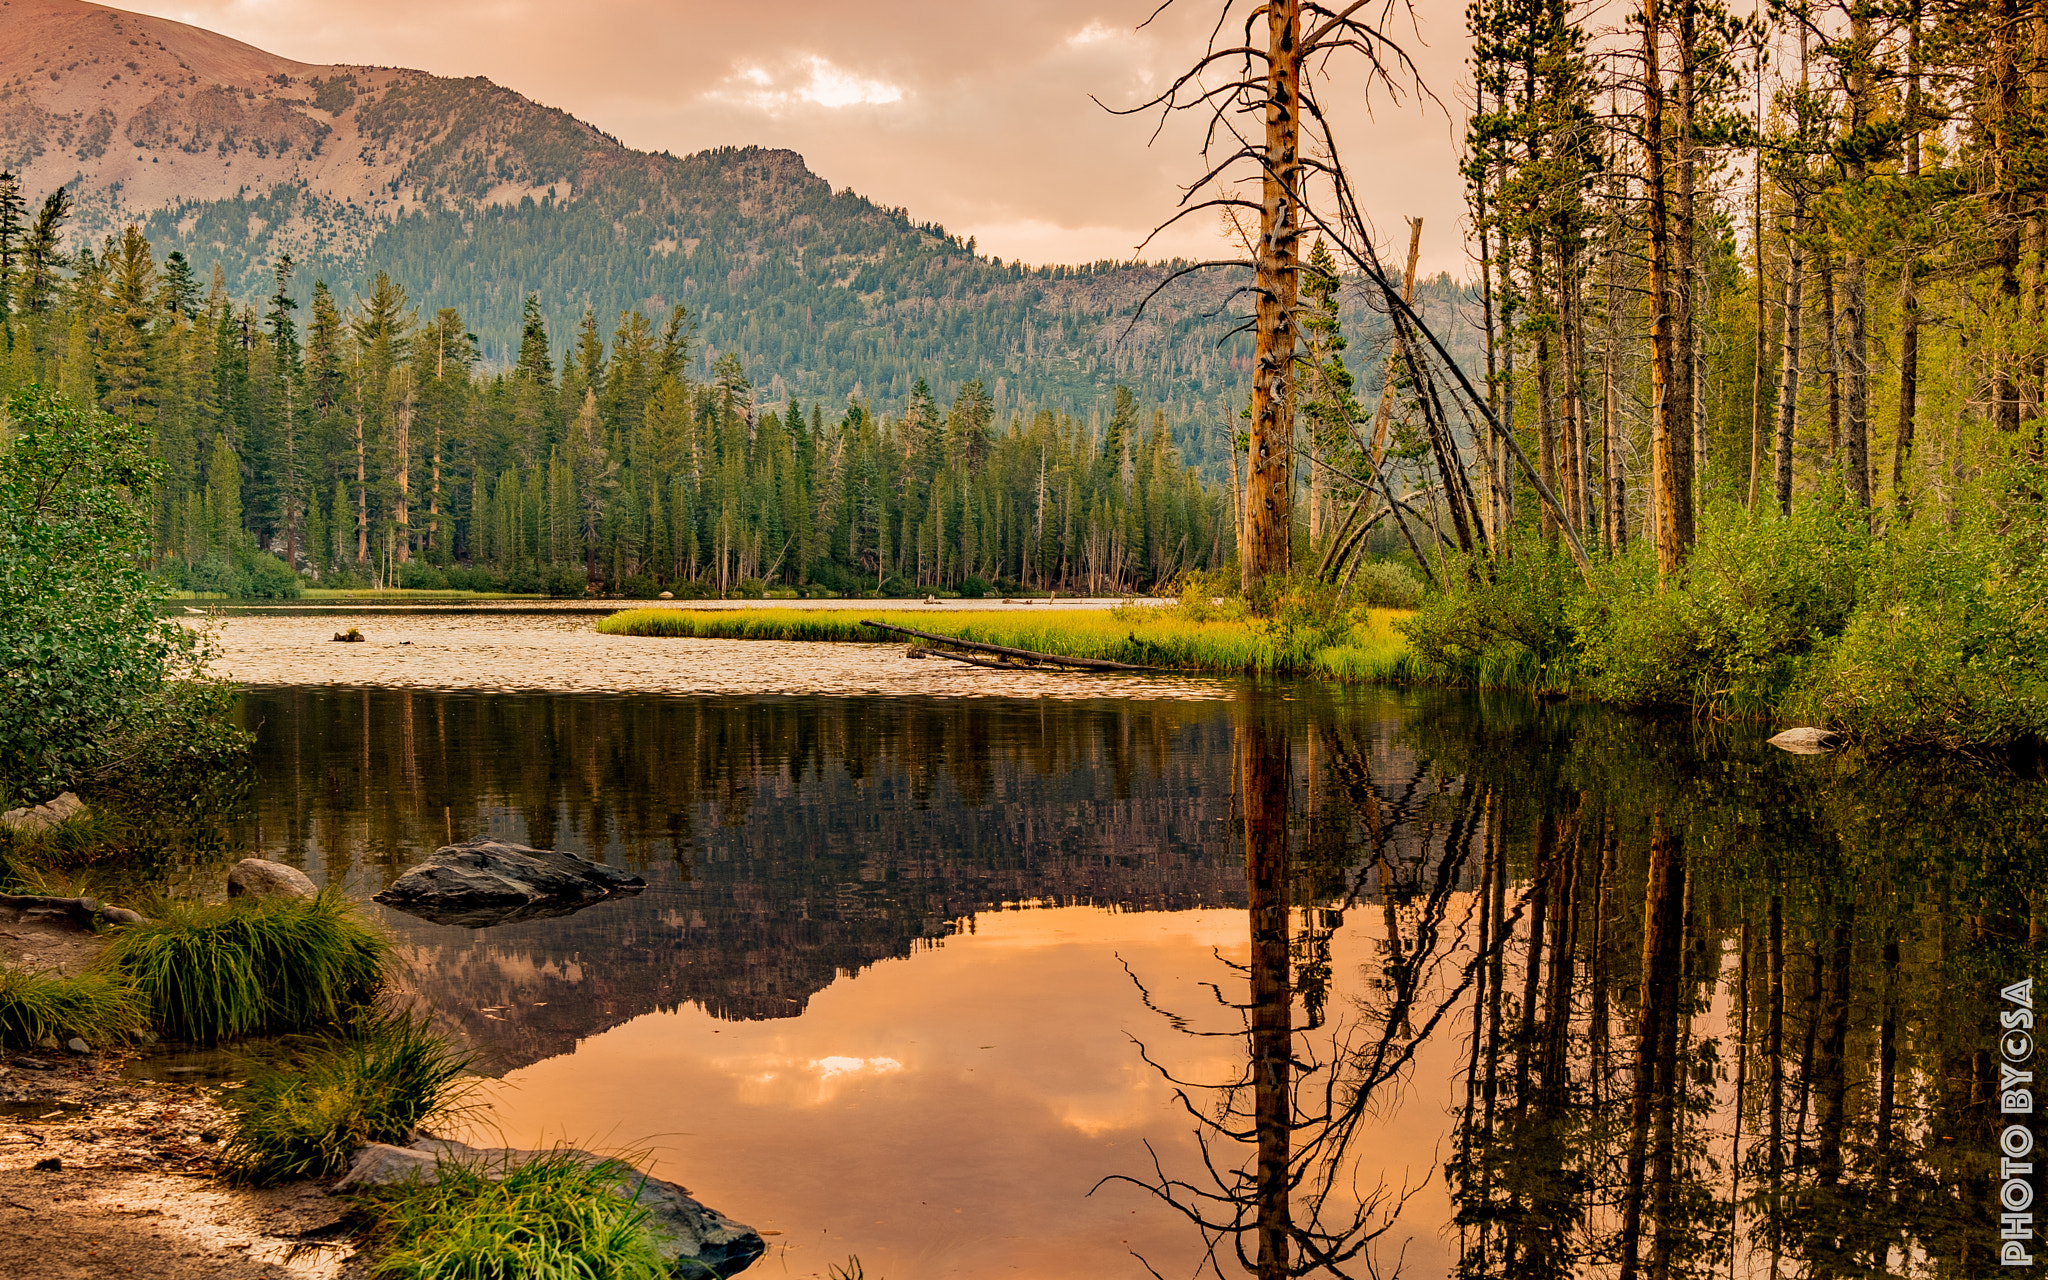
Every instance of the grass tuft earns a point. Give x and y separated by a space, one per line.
552 1218
212 973
380 1083
95 1007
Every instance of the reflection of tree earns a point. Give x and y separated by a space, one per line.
1281 1188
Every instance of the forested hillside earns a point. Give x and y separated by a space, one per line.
475 197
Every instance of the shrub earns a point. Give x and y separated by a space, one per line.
95 1006
422 575
210 973
973 588
749 588
1513 629
553 1217
268 578
640 586
85 658
563 581
1382 584
380 1083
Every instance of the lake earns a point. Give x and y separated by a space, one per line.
974 974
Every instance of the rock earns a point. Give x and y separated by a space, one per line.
44 816
77 1046
668 595
259 879
1808 741
695 1238
49 1164
485 882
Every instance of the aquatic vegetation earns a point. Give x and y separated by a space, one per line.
1145 635
95 1006
213 972
552 1218
380 1083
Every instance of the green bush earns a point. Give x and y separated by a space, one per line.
268 578
1948 645
1382 584
86 661
973 588
380 1083
94 1006
211 973
1511 630
552 1218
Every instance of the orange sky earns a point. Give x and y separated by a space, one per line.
971 113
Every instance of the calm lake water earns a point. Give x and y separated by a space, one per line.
1477 985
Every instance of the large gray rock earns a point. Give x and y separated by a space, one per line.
697 1240
486 882
1807 742
257 878
44 816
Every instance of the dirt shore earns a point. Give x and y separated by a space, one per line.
102 1176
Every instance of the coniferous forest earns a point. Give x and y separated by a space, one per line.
363 442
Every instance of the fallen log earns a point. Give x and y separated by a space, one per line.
84 910
920 651
1028 655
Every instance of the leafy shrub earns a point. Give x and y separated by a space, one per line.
380 1083
640 586
1382 584
94 1006
466 578
210 973
85 659
269 578
422 575
564 582
553 1217
749 589
1513 629
973 588
1948 645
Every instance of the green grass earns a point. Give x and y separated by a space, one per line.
97 1007
549 1219
211 973
409 594
383 1080
1220 645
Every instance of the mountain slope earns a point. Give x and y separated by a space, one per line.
473 196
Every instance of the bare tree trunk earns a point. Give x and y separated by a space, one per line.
1268 486
1756 238
1909 294
401 447
1656 1020
362 494
2005 217
1669 451
1546 414
1684 269
1614 482
1855 273
1831 324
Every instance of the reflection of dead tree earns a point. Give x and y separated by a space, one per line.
1280 1188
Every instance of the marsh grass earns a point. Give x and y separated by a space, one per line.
214 972
380 1082
1145 635
553 1218
94 1006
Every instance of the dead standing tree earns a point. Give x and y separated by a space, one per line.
1270 76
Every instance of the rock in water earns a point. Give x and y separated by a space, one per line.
1807 742
256 878
44 816
695 1239
485 882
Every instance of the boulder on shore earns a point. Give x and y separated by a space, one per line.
44 816
695 1239
1807 741
259 879
484 882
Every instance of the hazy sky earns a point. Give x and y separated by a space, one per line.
971 113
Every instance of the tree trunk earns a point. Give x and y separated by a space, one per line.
1670 454
362 495
1684 270
401 448
1268 487
2005 215
1855 271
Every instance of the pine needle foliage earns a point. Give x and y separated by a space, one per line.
384 1080
215 972
553 1218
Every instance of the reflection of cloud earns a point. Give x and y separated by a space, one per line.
813 80
838 1066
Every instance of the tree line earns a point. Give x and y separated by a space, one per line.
363 442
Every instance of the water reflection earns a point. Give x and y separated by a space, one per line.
1493 988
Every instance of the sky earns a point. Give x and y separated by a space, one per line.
975 114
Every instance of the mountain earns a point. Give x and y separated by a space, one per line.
473 196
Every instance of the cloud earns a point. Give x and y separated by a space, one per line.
812 80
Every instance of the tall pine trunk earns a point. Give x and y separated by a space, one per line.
1268 486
